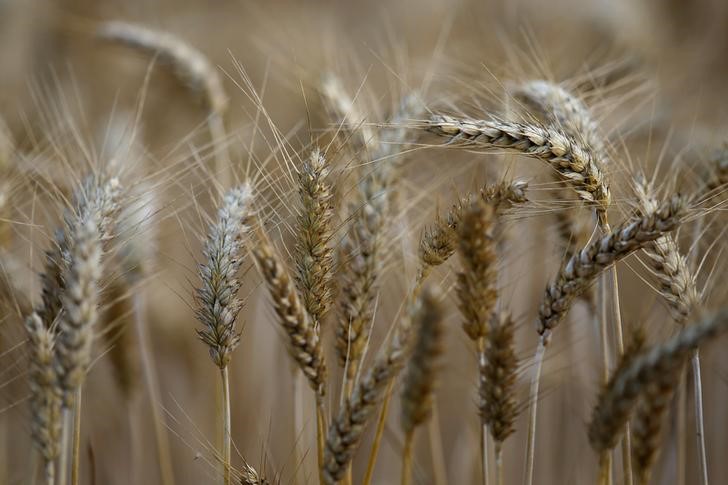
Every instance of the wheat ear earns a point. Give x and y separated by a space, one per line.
477 286
630 381
496 385
303 340
579 273
45 399
345 432
439 241
314 254
363 245
218 301
191 67
419 381
575 163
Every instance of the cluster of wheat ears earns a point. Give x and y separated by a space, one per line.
325 286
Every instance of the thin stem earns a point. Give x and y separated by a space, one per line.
484 453
320 438
76 457
500 476
50 473
681 425
605 467
699 423
533 411
483 426
378 435
225 425
407 459
65 443
297 402
439 472
216 126
627 439
152 387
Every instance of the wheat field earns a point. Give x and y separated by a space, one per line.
359 242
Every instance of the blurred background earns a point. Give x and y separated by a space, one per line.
653 71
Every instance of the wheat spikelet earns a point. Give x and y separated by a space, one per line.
476 283
345 432
419 381
497 378
579 272
45 399
439 241
303 341
616 401
314 254
224 249
574 162
189 64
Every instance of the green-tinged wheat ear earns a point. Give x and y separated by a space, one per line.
218 301
631 380
302 338
314 252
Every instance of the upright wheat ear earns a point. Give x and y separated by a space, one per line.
364 244
419 381
476 284
314 254
96 206
346 431
45 398
218 300
219 304
303 342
